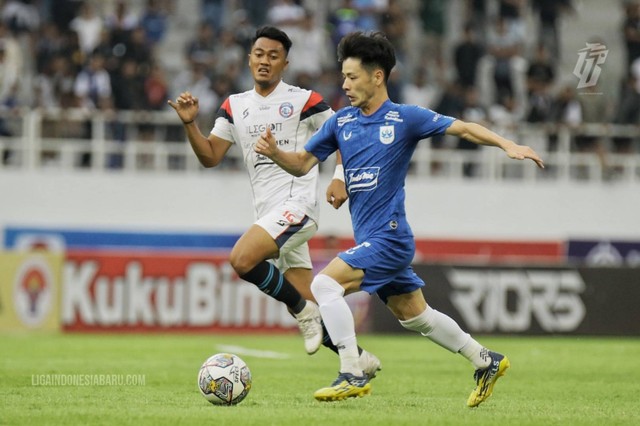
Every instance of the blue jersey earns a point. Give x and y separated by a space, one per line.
376 151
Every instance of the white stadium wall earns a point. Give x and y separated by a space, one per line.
222 203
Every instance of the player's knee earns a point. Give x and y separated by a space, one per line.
325 288
241 263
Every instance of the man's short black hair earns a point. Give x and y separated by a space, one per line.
374 51
273 33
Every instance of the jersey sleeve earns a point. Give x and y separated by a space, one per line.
323 143
316 111
429 123
223 126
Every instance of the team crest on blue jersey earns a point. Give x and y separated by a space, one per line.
387 134
286 109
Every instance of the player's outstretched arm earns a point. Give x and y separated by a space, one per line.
476 133
210 151
295 163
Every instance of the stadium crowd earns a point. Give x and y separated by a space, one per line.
58 54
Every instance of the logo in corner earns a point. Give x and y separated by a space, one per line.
387 134
587 68
33 291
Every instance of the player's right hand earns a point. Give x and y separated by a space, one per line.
186 105
266 144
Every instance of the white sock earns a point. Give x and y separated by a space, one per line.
438 327
338 320
476 353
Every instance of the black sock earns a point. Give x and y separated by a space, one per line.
271 282
327 343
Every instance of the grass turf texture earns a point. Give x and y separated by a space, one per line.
552 381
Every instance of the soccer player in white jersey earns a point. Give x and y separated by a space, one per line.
286 207
376 139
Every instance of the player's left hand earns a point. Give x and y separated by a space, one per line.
266 144
520 152
337 193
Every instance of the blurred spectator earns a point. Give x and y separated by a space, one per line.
121 21
93 84
8 83
512 11
127 86
565 111
138 49
540 76
229 55
257 11
213 12
433 22
595 109
503 67
21 16
154 22
370 13
223 86
128 94
285 14
394 23
475 14
342 21
631 31
194 79
243 29
48 44
311 51
505 116
156 88
467 55
88 25
201 48
627 113
12 64
548 14
472 111
419 91
53 86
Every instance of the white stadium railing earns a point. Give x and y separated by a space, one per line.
78 139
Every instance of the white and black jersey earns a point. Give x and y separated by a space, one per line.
293 114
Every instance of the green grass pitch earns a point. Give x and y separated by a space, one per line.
552 381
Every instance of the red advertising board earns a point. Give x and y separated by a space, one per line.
176 291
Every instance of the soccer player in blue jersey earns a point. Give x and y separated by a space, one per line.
377 138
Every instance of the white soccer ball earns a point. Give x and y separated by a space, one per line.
224 379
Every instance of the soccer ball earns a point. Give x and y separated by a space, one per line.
224 379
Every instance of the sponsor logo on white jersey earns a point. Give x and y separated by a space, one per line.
387 134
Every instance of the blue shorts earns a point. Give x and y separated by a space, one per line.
386 264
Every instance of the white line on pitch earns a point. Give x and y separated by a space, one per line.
239 350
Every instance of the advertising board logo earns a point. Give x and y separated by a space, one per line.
509 300
33 291
587 68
